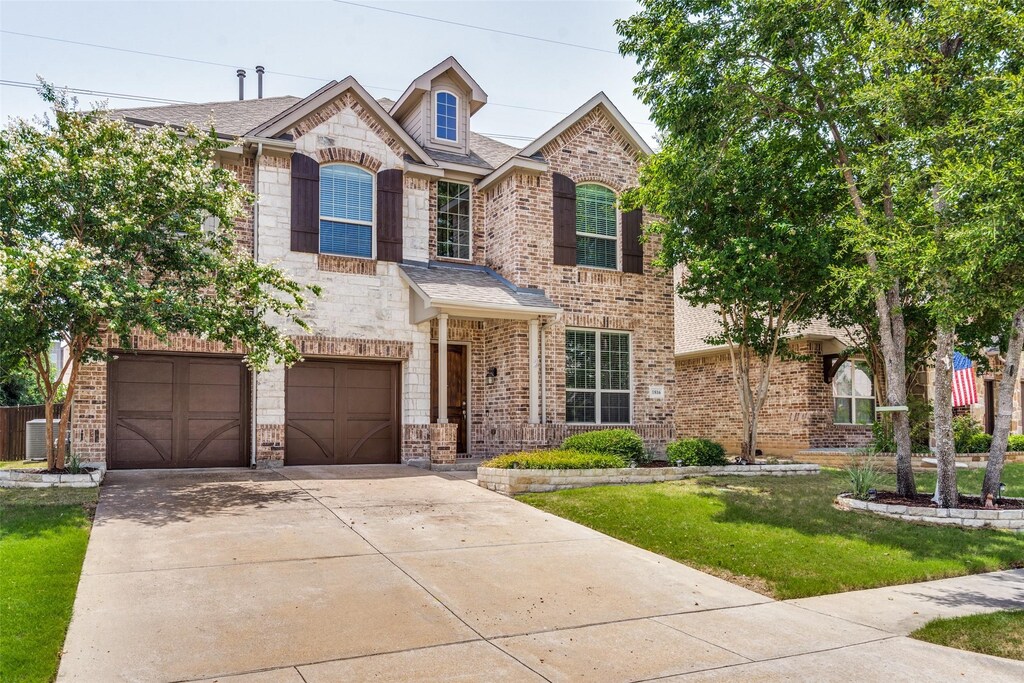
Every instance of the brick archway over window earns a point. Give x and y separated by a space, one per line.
352 156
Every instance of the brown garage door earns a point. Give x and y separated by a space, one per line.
342 413
177 411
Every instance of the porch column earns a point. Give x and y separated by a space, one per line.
442 368
533 354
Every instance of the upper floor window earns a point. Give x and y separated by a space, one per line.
596 243
447 107
453 222
854 392
597 377
346 211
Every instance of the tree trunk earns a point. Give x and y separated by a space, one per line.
65 421
48 414
945 492
1004 409
893 342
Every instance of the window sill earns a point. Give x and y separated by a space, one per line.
355 265
852 424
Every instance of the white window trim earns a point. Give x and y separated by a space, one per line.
618 230
373 214
853 398
597 390
437 241
458 115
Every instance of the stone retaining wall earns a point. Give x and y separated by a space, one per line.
514 482
11 479
995 519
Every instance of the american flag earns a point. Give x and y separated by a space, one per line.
965 391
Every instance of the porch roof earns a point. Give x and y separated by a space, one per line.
471 291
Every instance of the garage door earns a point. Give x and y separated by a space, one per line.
342 413
177 411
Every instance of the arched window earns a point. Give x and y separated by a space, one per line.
854 392
447 108
596 233
346 211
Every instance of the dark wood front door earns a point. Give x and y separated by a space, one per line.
458 406
177 411
342 413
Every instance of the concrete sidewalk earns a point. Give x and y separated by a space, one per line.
390 573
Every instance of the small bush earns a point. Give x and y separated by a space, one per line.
864 477
560 459
978 443
696 453
1015 442
965 429
624 443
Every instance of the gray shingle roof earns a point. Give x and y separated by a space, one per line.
472 286
231 118
493 152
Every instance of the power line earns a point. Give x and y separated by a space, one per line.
98 93
479 28
320 79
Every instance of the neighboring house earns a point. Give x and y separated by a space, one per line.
822 402
499 284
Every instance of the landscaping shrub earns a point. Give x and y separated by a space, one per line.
696 453
864 477
965 429
624 443
920 415
558 459
1015 442
978 443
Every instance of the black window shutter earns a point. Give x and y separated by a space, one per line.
389 215
305 204
632 247
564 214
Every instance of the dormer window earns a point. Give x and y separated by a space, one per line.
446 108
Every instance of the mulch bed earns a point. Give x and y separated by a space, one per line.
63 470
924 500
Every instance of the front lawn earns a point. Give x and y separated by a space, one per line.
43 534
781 536
1000 633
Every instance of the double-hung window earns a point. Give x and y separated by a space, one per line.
346 211
854 394
596 243
453 222
597 377
446 107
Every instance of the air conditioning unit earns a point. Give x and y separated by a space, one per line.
35 438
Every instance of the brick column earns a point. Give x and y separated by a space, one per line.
443 442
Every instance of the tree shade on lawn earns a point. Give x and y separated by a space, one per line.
43 535
782 536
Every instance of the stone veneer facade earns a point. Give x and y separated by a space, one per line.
364 311
796 417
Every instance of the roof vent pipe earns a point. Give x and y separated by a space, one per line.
241 84
259 82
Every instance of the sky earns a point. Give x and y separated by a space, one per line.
306 44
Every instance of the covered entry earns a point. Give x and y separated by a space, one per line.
177 411
342 413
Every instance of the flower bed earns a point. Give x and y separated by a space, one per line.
1004 518
511 482
28 479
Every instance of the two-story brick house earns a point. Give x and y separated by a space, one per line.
501 284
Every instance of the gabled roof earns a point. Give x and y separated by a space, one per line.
421 85
471 289
324 96
598 101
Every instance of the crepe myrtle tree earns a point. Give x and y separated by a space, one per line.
745 213
109 231
886 91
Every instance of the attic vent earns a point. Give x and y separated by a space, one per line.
324 141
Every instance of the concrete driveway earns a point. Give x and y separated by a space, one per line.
390 573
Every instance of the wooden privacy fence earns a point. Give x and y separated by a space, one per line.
12 428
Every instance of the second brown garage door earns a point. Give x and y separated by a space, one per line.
342 413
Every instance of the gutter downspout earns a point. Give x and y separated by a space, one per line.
256 258
543 375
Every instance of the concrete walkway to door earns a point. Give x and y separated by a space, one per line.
388 573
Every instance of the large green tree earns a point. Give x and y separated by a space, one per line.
886 91
111 230
747 215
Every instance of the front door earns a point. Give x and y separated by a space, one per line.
458 408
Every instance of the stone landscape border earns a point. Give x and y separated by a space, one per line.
994 519
512 482
12 479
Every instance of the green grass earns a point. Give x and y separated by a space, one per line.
969 481
781 535
1000 633
43 534
21 464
